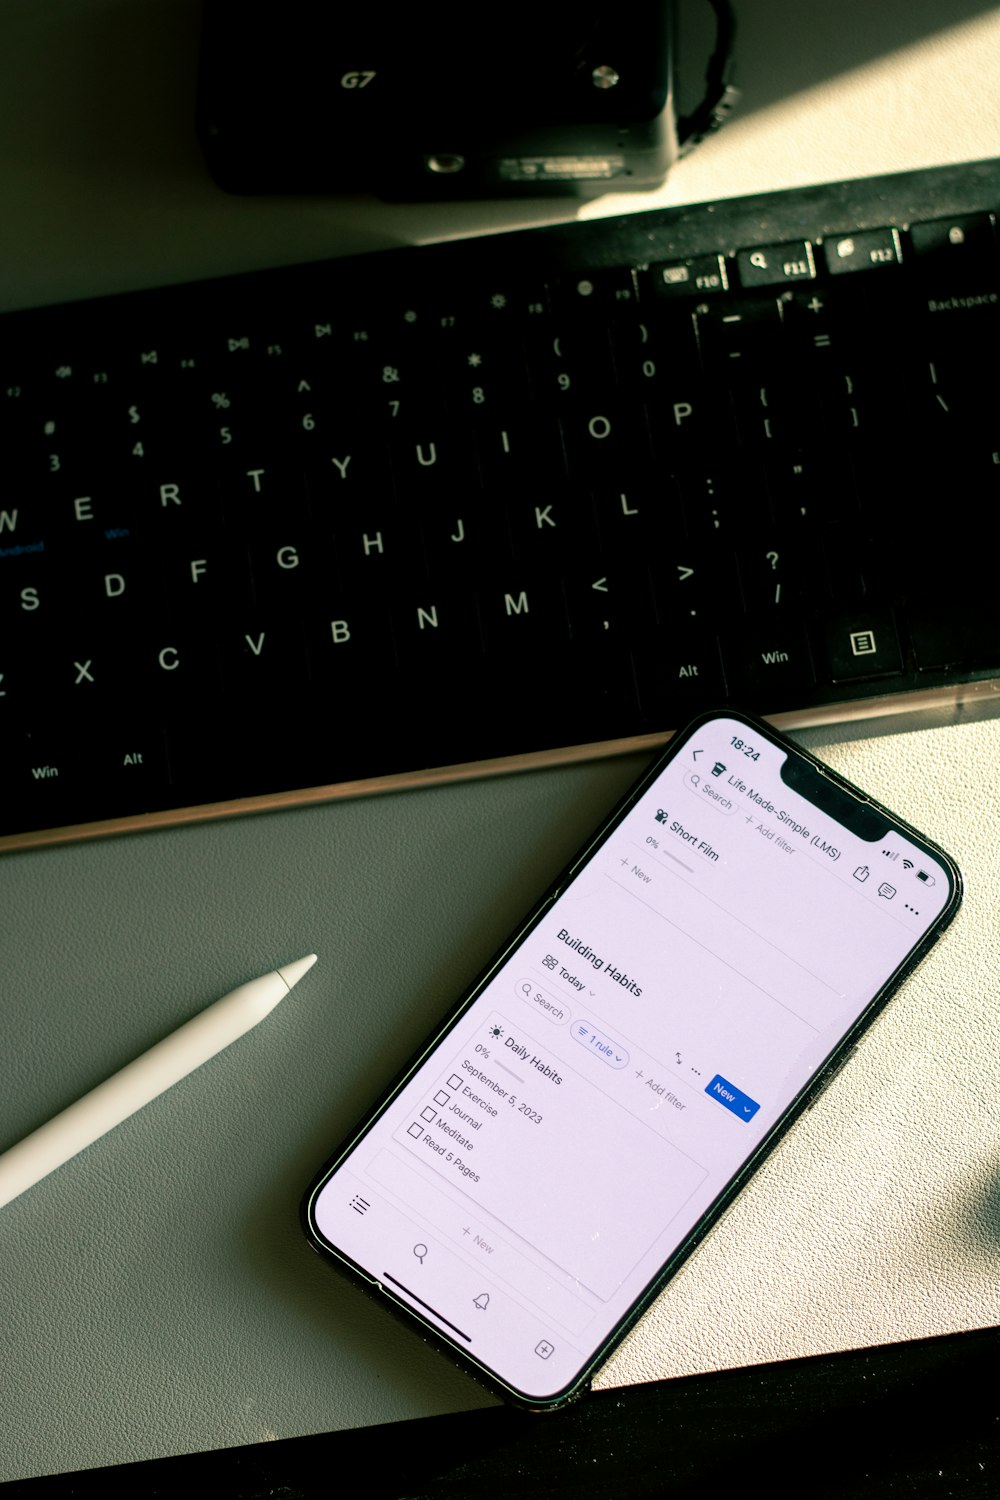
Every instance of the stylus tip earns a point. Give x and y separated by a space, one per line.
293 972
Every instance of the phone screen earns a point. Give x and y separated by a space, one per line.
564 1140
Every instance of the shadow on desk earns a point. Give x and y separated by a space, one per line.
917 1418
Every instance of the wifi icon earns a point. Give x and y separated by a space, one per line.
907 864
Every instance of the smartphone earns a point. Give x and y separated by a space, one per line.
685 989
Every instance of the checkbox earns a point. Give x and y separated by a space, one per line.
416 1130
428 1114
454 1082
441 1097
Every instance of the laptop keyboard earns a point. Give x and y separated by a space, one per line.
512 501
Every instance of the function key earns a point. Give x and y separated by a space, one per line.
498 303
776 265
862 250
965 241
429 311
700 276
594 292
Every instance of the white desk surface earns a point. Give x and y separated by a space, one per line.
156 1296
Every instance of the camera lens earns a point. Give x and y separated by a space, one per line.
445 164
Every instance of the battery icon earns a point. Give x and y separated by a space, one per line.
927 879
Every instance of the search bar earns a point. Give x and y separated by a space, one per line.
533 994
709 793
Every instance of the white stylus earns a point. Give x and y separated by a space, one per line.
141 1081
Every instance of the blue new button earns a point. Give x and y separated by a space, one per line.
728 1094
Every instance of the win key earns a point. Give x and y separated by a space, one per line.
732 1098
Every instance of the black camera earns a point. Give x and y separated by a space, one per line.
440 101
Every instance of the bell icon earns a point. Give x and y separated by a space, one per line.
482 1301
